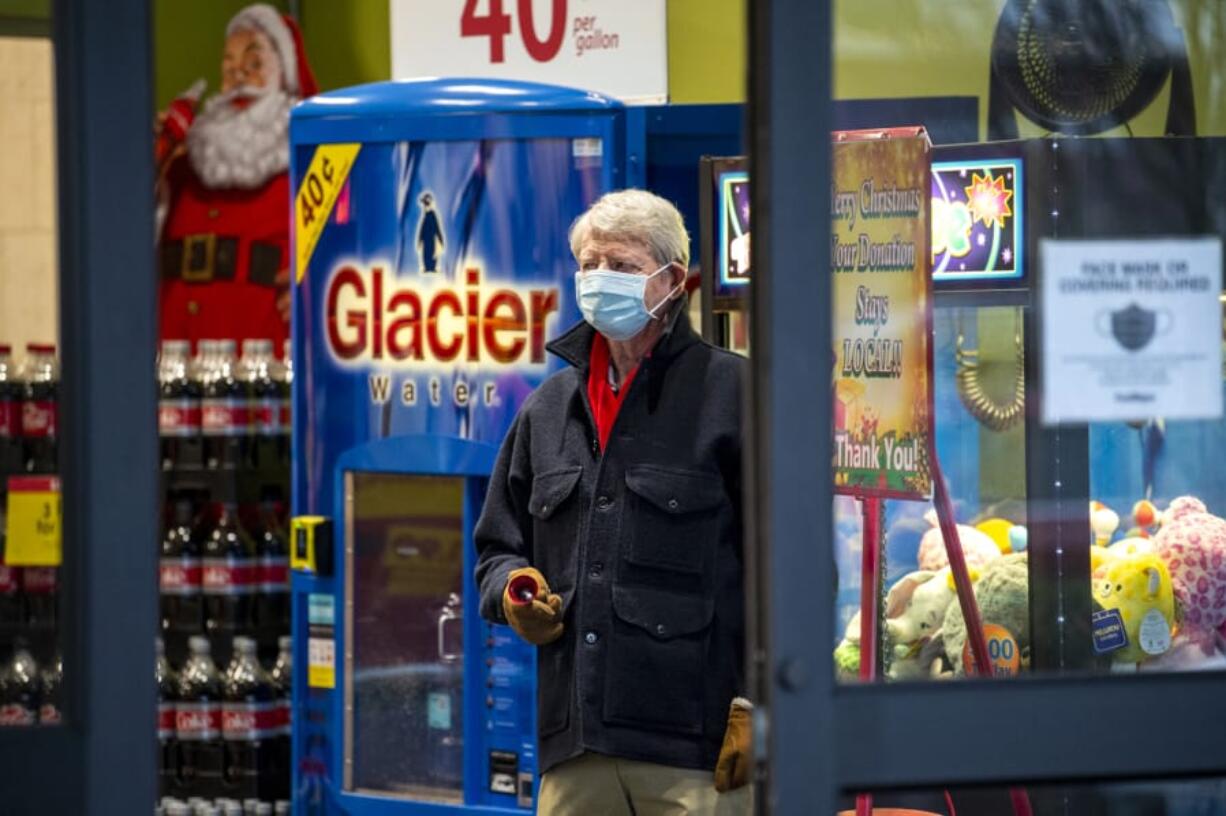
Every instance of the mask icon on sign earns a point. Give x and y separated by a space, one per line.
1134 326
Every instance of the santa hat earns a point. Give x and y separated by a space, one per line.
286 37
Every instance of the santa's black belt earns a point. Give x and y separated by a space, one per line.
208 257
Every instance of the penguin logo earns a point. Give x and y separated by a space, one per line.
429 235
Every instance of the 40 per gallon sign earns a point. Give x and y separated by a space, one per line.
614 47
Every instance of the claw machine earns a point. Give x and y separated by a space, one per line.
431 264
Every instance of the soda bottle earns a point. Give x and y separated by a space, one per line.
50 711
41 588
19 706
229 576
264 412
272 550
282 680
224 411
180 572
198 721
284 375
249 722
167 680
12 606
40 408
12 393
178 408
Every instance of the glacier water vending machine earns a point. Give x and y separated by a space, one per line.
430 266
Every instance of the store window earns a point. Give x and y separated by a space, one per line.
1072 359
30 545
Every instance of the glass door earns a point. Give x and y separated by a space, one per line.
404 668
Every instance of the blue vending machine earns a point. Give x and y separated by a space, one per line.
431 266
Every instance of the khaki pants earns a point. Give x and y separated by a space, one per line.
596 785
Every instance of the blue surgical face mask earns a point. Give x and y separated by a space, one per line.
612 302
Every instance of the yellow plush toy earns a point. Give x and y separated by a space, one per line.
1139 586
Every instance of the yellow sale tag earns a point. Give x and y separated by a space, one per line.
317 194
33 527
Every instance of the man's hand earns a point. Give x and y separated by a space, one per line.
732 767
536 616
283 301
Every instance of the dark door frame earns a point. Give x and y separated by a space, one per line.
819 739
102 760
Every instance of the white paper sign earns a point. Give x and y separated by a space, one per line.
1131 330
615 47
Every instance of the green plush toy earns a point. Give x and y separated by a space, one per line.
1003 596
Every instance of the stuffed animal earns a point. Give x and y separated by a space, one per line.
1002 593
1103 522
1139 586
1192 544
978 548
914 610
998 530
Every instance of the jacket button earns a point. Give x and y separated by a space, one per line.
590 638
193 307
660 630
544 508
214 212
596 570
672 504
603 503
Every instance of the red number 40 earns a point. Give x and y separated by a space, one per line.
497 25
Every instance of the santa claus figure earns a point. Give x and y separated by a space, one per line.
223 198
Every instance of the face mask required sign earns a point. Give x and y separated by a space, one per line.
882 314
1132 330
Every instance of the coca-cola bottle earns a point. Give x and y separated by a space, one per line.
12 606
224 421
42 590
284 374
12 394
178 408
40 408
229 577
198 722
168 762
180 572
50 709
264 412
249 724
272 552
19 705
282 680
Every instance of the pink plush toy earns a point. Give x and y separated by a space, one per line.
1192 542
978 547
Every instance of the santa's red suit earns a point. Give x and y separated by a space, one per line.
225 234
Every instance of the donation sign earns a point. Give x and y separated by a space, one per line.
1131 329
882 385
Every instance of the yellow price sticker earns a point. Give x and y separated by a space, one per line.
321 663
317 194
33 527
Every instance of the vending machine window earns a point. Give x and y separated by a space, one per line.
404 563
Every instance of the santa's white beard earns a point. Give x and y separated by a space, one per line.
241 147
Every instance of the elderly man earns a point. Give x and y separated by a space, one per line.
611 536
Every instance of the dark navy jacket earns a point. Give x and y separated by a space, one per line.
643 543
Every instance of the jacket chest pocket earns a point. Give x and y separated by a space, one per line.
556 515
656 672
672 520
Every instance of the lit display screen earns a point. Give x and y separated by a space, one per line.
732 187
977 220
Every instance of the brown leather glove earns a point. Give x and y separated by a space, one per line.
533 611
736 755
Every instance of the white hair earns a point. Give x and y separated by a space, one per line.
266 20
637 216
